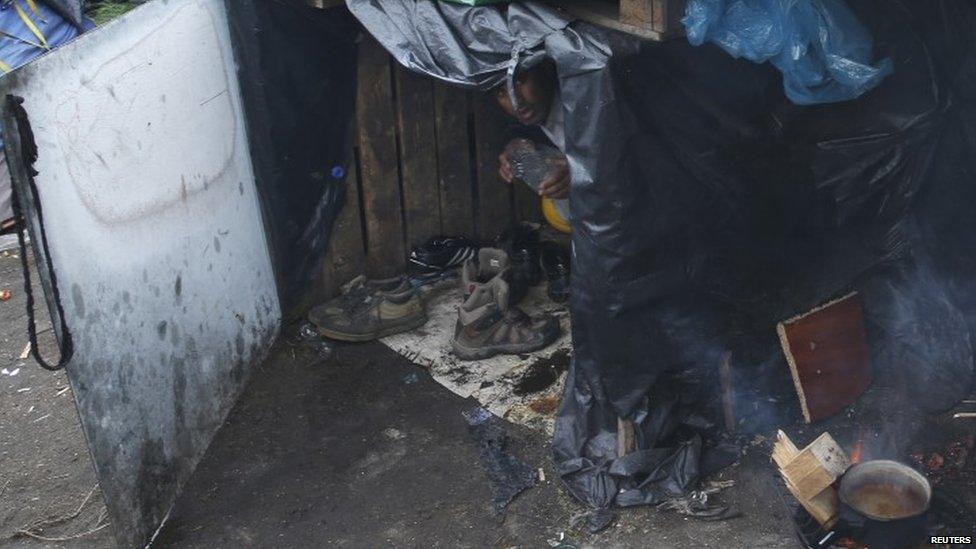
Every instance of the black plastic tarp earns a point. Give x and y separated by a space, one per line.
298 79
701 193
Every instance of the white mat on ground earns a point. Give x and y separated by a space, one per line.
490 381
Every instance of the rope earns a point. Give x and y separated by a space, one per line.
29 155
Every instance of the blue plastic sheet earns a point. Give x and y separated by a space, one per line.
18 45
823 51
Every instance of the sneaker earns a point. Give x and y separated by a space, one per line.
379 314
354 292
492 263
556 264
441 254
488 326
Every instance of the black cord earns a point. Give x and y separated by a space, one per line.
29 155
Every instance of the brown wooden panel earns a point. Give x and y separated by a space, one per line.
418 155
494 207
828 355
454 161
375 117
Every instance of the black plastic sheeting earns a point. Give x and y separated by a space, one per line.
298 78
701 194
507 475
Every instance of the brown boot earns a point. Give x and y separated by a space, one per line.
487 326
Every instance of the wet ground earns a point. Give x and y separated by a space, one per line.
362 449
359 451
353 451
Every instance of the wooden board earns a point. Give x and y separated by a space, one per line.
378 160
454 161
417 136
347 250
828 355
494 207
656 20
810 474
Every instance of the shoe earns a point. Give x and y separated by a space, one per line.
354 292
521 242
556 264
487 326
492 263
441 254
379 314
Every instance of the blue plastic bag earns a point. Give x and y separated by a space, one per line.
820 47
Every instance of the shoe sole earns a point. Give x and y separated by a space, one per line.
372 336
482 353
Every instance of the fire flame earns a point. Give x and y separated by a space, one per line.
857 452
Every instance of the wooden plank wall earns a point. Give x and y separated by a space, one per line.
425 157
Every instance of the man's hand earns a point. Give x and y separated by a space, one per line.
505 169
556 183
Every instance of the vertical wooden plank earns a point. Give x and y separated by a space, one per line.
418 155
385 255
453 161
494 208
347 258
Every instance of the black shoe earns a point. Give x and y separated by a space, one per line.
441 254
556 262
521 243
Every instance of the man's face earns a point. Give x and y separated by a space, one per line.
535 89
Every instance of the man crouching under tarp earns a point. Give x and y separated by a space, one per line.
627 255
696 189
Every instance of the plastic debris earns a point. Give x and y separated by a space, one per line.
309 335
5 295
823 51
411 378
507 475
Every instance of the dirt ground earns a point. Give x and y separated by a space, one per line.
363 449
349 452
45 468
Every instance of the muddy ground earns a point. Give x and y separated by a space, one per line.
362 449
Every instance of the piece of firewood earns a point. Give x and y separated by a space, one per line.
828 355
728 394
810 474
626 437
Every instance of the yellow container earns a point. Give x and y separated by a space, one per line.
553 217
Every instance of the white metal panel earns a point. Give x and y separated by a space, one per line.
156 237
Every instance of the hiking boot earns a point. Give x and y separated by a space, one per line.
354 292
377 315
491 263
441 254
556 264
521 243
487 326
